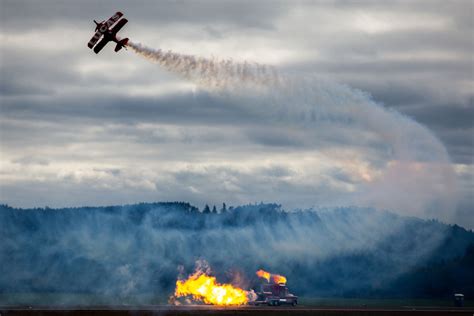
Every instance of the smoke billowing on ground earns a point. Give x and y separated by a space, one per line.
136 253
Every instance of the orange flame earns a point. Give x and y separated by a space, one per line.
205 288
263 274
276 278
279 279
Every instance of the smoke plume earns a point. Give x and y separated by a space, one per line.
209 72
358 152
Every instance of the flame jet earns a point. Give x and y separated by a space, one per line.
276 278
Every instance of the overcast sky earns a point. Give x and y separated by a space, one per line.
84 129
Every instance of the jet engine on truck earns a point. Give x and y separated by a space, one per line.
274 295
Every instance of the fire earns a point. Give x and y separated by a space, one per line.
279 279
205 288
263 274
276 278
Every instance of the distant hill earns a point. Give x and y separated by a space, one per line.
131 249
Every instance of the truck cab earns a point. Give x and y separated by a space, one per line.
275 294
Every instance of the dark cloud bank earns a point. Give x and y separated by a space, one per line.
132 253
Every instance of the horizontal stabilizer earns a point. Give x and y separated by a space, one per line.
120 44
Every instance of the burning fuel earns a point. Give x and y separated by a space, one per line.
201 287
205 288
276 278
279 279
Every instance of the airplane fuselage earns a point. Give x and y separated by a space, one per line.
104 29
109 36
108 31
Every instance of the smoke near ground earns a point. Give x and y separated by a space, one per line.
136 253
359 151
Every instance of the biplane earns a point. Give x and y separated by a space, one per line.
108 31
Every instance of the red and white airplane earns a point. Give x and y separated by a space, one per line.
109 34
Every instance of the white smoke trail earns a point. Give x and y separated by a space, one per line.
388 161
212 73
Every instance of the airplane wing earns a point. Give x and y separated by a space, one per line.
118 26
101 45
114 19
94 39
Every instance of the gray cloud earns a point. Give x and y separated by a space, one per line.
24 15
445 116
28 160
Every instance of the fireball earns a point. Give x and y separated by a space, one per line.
205 288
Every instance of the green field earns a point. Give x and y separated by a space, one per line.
85 299
36 299
359 302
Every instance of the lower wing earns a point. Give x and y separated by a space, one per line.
101 45
94 39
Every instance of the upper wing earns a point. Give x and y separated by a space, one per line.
114 19
101 45
94 39
119 25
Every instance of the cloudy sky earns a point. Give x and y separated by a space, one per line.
378 110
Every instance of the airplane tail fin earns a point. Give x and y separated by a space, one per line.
120 44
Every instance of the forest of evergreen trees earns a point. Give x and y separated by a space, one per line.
143 248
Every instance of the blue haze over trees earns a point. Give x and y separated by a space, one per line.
122 251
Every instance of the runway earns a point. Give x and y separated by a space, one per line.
214 310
